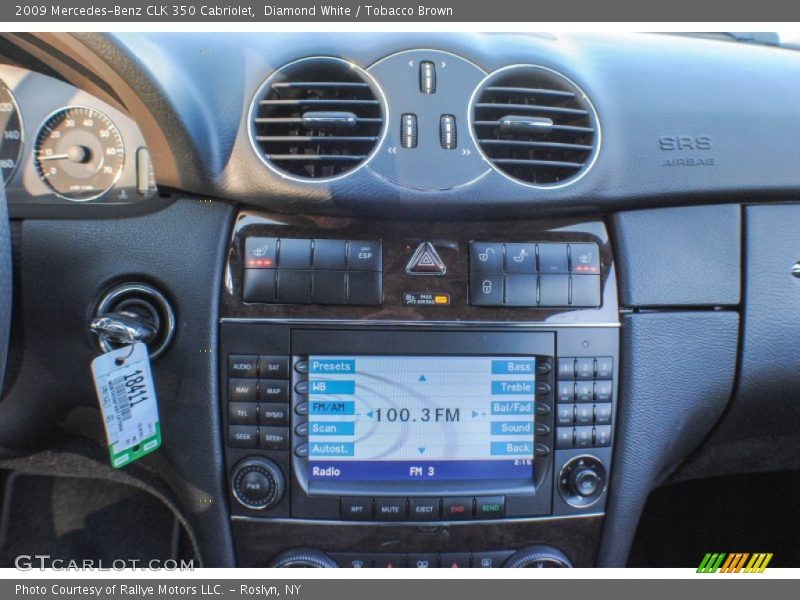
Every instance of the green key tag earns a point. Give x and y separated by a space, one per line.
128 402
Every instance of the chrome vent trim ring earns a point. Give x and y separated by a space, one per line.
535 126
317 119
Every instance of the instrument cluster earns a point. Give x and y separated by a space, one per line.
62 146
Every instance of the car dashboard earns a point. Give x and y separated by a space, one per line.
418 300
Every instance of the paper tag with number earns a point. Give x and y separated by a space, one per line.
128 403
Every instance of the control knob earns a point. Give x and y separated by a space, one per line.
303 558
257 483
582 481
538 557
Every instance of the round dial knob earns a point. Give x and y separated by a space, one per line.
302 558
538 557
582 481
257 483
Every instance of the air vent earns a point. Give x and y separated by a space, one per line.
317 118
535 125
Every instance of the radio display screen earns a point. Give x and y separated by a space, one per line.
420 418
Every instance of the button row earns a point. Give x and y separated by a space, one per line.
422 508
301 254
494 289
600 367
249 366
532 257
294 286
423 560
584 414
583 437
267 438
258 390
584 391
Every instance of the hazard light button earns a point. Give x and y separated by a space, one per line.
426 261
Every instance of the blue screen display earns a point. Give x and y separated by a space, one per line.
421 418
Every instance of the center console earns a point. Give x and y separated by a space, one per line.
426 391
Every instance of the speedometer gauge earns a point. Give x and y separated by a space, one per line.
79 153
11 131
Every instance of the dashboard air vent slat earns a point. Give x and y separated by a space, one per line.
535 125
298 125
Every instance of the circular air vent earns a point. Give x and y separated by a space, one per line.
317 119
535 126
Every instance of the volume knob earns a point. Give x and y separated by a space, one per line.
257 483
538 557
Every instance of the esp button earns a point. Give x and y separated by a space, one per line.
364 256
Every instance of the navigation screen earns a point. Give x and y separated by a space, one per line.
420 418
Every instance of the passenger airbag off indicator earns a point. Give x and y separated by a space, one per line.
425 299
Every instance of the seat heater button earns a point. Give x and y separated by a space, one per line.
260 252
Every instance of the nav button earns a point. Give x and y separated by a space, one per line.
423 509
356 508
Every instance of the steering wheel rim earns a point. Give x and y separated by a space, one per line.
5 281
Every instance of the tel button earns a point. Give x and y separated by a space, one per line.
457 508
356 508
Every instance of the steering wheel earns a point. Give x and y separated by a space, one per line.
5 281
